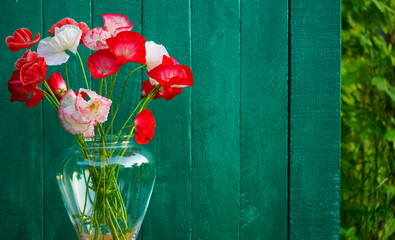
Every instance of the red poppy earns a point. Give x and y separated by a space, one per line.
172 77
32 68
145 125
27 57
21 39
128 47
147 87
19 92
69 21
103 63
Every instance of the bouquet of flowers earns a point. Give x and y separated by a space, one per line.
89 114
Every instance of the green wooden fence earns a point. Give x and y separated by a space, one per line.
250 152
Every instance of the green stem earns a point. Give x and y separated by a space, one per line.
83 69
112 215
105 87
140 107
56 101
67 75
130 117
113 79
49 98
122 96
101 86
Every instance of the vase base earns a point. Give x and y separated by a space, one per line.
130 236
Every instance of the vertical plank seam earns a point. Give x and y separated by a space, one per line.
289 123
190 127
43 143
92 11
240 112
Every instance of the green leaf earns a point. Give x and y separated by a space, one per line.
390 135
383 7
381 83
351 231
389 227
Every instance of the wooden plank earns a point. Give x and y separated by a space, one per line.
56 140
314 119
21 137
169 215
216 119
264 107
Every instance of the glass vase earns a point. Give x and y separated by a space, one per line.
106 184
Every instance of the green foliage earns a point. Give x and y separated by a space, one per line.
368 120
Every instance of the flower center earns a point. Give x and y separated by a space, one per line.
94 106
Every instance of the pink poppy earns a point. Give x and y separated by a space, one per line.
57 85
95 39
103 63
69 21
145 125
116 23
21 39
79 116
21 93
95 109
128 47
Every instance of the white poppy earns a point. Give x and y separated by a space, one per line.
154 54
53 49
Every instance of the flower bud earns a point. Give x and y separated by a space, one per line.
57 85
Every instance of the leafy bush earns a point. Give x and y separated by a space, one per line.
368 120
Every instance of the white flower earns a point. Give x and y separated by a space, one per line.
154 54
53 49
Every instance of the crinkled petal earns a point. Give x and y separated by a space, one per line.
71 119
69 21
71 125
28 56
96 109
68 37
34 72
95 39
115 23
50 50
53 48
90 132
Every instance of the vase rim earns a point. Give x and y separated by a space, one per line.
110 141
